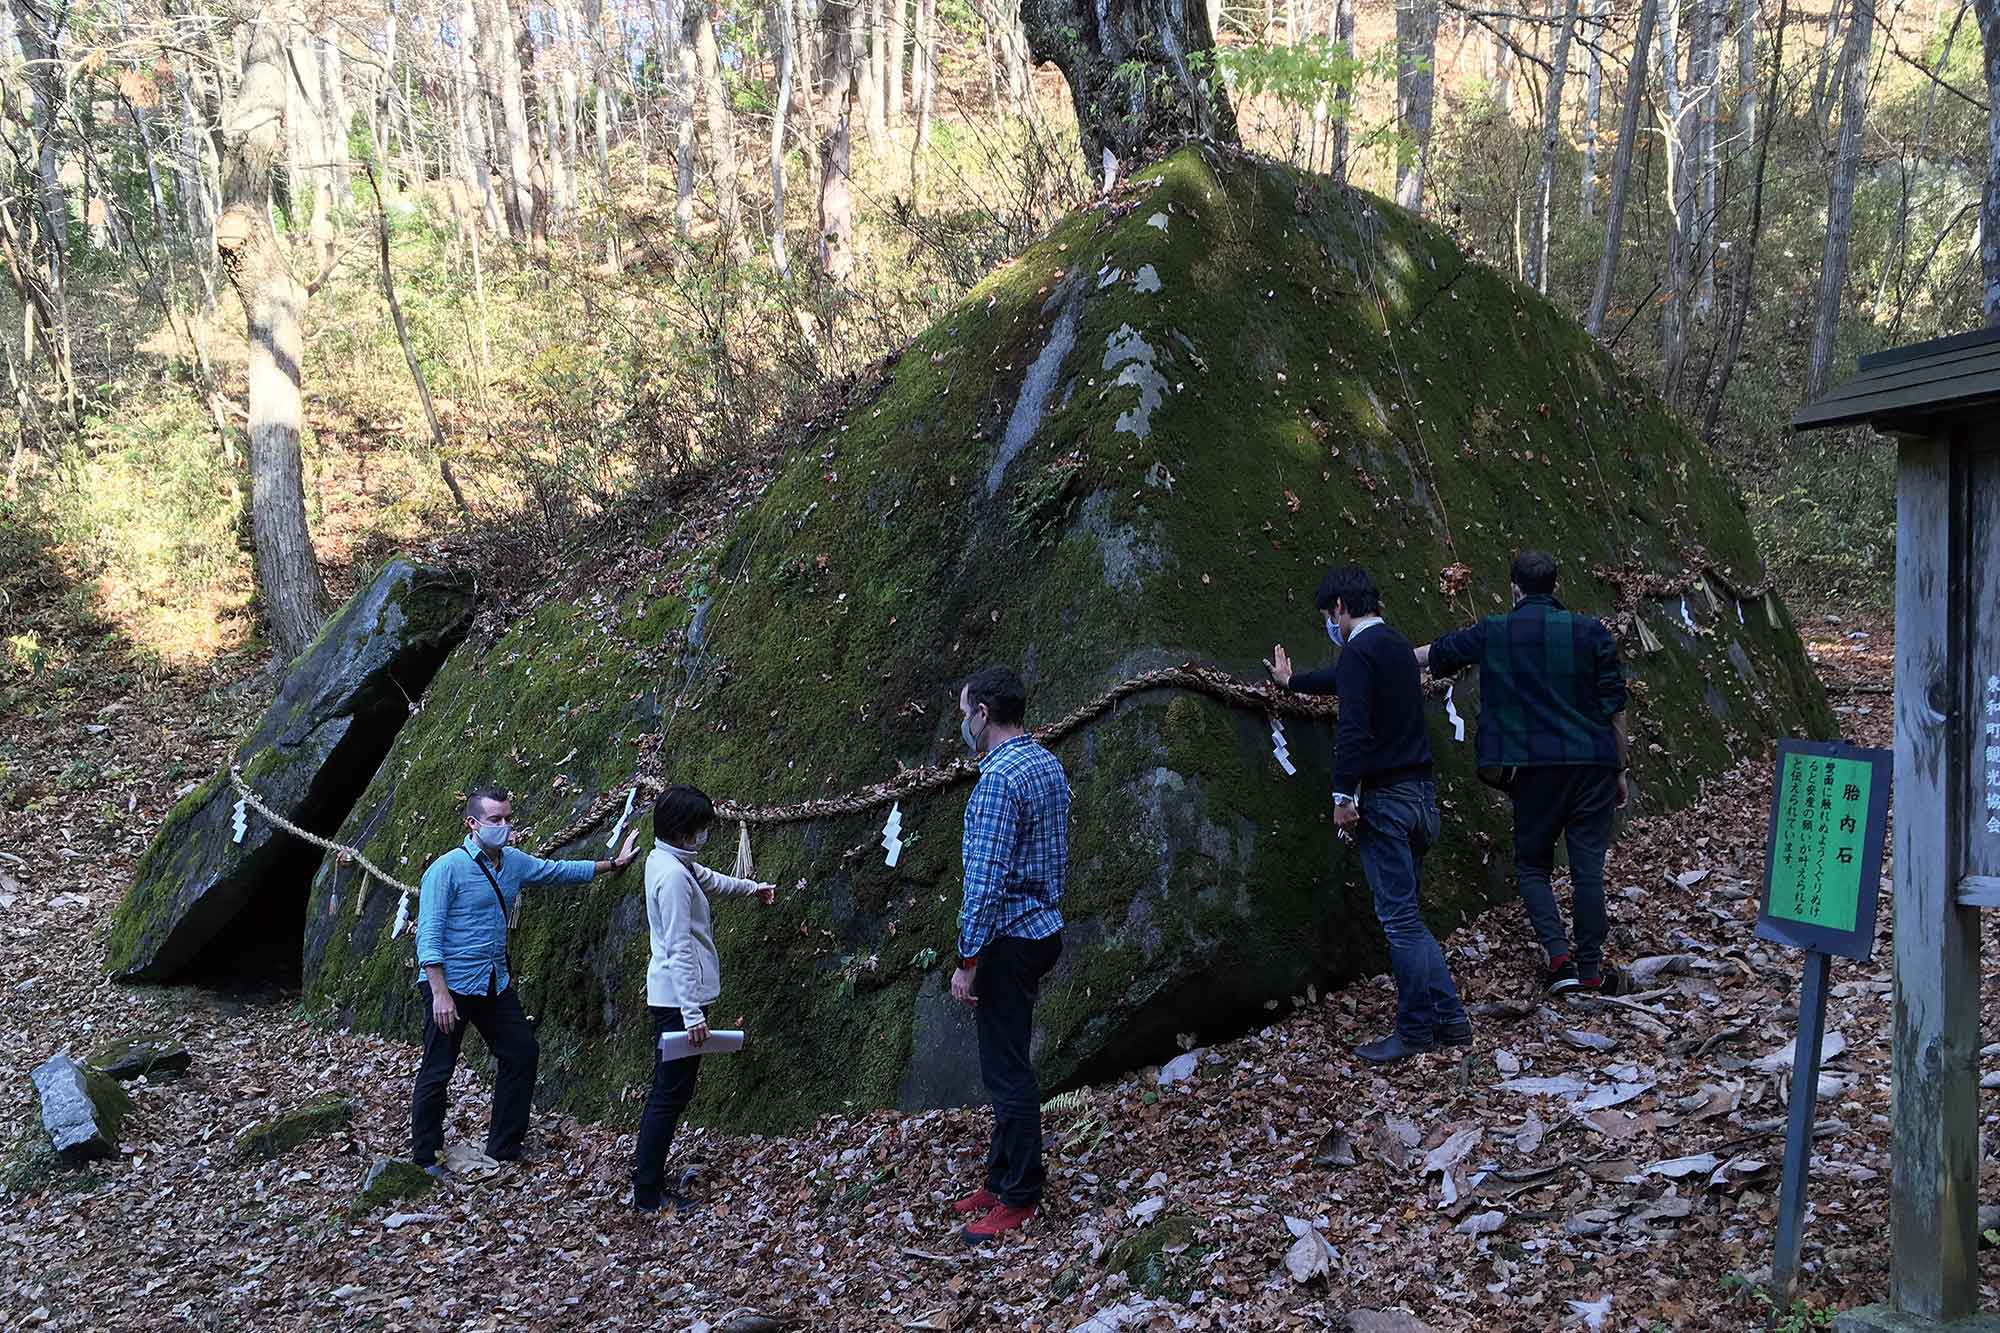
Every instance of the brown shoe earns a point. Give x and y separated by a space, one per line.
997 1224
979 1201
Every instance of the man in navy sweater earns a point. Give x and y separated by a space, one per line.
1384 796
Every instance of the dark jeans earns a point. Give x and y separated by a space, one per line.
672 1090
1575 803
1009 975
508 1034
1399 823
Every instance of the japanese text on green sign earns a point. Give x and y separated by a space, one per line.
1822 822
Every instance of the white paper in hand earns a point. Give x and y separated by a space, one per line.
721 1041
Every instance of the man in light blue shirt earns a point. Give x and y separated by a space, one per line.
462 907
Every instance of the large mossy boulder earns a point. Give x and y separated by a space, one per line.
1139 444
202 903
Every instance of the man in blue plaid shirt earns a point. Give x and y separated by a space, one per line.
1009 933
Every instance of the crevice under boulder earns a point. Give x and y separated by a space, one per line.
204 907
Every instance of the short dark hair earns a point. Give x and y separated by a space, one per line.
1001 690
682 810
485 791
1352 588
1534 573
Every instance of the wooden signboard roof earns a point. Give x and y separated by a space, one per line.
1912 388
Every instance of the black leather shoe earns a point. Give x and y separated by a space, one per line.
1391 1049
1449 1034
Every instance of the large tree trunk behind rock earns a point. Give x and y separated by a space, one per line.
1137 97
288 577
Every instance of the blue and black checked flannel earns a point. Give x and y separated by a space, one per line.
1016 847
1549 685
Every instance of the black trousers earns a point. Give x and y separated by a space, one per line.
1008 978
672 1090
1576 804
508 1034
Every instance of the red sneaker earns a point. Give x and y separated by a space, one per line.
997 1223
979 1201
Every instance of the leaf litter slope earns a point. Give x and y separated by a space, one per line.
1645 1174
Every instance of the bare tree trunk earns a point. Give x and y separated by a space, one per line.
1716 11
700 35
919 55
1821 102
288 577
1621 169
1537 270
839 38
1746 75
1840 197
337 120
1343 102
1989 203
306 135
36 27
1678 138
382 103
782 40
872 65
1593 100
681 85
1503 63
503 71
1745 268
602 92
438 442
920 162
1416 92
898 33
1899 245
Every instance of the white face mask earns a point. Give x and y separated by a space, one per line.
700 839
491 836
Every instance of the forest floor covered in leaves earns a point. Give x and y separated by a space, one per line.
1634 1188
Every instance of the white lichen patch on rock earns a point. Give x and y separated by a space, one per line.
1127 349
1147 279
1107 276
1157 220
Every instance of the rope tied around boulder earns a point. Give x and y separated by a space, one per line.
1212 681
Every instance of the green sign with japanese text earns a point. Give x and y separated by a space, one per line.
1829 810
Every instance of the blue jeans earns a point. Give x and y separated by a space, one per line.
1399 823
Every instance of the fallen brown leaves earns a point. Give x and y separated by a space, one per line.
1581 1152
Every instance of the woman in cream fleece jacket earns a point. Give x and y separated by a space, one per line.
683 977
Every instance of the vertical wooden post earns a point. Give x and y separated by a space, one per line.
1934 1210
1799 1125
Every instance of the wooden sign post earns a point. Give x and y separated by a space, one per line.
1941 402
1822 874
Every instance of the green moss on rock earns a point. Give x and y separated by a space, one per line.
272 1138
1302 387
147 1055
391 1181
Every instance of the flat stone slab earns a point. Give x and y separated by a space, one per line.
1882 1319
81 1112
285 1131
145 1056
200 896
